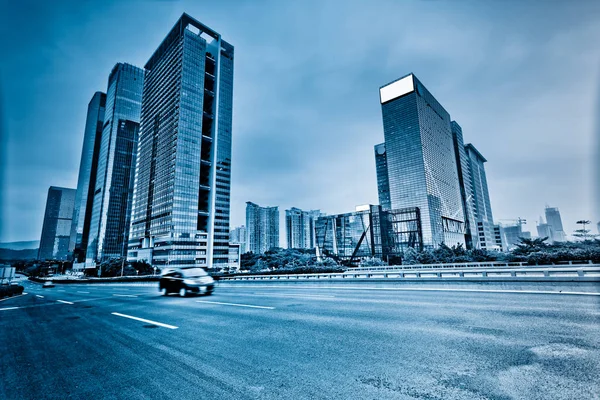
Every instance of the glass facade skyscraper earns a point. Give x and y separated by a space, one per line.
56 229
86 183
466 192
181 198
480 203
421 163
383 183
111 211
262 227
300 228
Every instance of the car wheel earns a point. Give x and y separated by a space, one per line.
182 292
163 291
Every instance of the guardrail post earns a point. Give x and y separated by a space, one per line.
580 272
546 273
484 274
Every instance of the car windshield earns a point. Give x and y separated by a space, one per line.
193 272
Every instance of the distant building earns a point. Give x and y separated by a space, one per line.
181 202
480 199
262 227
111 213
56 229
300 228
554 220
544 230
238 236
86 183
370 231
422 169
235 255
512 235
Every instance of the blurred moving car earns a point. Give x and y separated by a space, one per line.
12 289
47 284
186 280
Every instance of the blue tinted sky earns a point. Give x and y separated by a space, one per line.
520 77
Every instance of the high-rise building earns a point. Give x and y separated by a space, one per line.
421 163
554 220
238 236
383 182
111 211
369 231
262 227
300 228
480 200
466 191
86 183
182 189
56 229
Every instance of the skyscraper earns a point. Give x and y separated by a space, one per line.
182 185
300 228
56 229
480 199
111 210
554 220
421 163
86 183
262 227
383 182
466 191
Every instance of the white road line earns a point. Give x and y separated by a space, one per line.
82 292
145 320
292 296
124 295
37 295
14 297
433 289
234 304
9 308
63 301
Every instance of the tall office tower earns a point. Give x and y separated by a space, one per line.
86 183
183 177
300 228
383 182
56 230
421 164
466 191
238 236
553 219
109 227
262 227
480 199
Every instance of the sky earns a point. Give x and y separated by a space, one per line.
521 79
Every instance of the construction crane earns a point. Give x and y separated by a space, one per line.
519 221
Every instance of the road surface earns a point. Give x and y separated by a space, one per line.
297 342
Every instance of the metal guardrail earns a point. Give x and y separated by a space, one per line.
491 264
580 273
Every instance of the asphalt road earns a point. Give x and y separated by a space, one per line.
294 342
